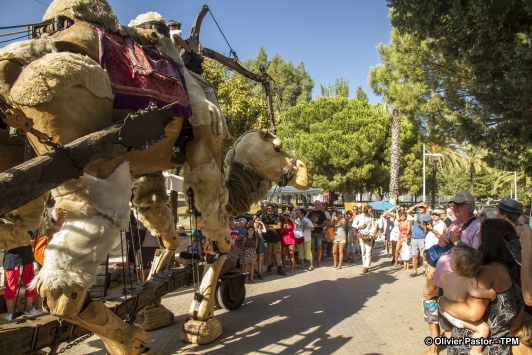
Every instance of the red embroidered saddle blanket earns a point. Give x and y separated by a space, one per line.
140 77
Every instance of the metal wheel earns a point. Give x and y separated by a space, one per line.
230 300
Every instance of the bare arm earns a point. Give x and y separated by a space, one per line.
473 290
526 264
474 308
411 209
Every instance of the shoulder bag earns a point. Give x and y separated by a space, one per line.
436 251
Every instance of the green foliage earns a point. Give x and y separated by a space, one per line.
292 84
339 89
243 101
346 141
477 64
361 94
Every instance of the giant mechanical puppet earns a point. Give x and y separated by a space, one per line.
70 81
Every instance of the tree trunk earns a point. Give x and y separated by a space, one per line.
347 192
395 154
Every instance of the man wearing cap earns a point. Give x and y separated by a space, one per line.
176 35
464 230
273 241
510 210
419 233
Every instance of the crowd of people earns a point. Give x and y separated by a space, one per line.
474 288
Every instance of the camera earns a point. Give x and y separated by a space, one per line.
427 223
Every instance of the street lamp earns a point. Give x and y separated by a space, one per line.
427 154
515 183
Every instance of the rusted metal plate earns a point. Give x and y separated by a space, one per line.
144 128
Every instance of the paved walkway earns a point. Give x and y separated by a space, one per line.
325 311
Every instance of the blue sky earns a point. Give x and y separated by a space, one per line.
333 38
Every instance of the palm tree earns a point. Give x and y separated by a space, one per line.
457 158
395 154
506 181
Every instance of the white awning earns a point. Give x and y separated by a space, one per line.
289 190
173 182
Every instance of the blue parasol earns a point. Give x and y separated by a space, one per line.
380 205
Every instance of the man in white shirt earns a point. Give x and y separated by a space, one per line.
365 228
436 230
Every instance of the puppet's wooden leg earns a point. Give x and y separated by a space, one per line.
201 327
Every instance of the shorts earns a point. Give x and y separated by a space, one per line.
350 247
430 311
273 247
339 241
12 275
303 251
315 239
417 245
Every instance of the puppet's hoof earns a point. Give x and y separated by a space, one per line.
201 332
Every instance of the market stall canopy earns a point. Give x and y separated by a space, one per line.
288 190
173 182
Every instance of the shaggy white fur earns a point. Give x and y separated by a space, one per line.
94 11
147 17
54 73
25 52
73 255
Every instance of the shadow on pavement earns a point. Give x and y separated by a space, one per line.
288 321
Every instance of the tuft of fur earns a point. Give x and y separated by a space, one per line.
25 52
210 198
15 224
96 212
150 198
54 73
93 11
246 185
149 190
151 16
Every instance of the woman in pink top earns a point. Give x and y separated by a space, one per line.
288 240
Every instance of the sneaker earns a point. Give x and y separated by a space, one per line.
364 270
33 312
9 317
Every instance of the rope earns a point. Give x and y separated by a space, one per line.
226 41
13 33
288 137
140 244
13 39
26 25
40 2
124 273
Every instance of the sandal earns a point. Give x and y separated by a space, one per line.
311 268
259 276
252 281
414 274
